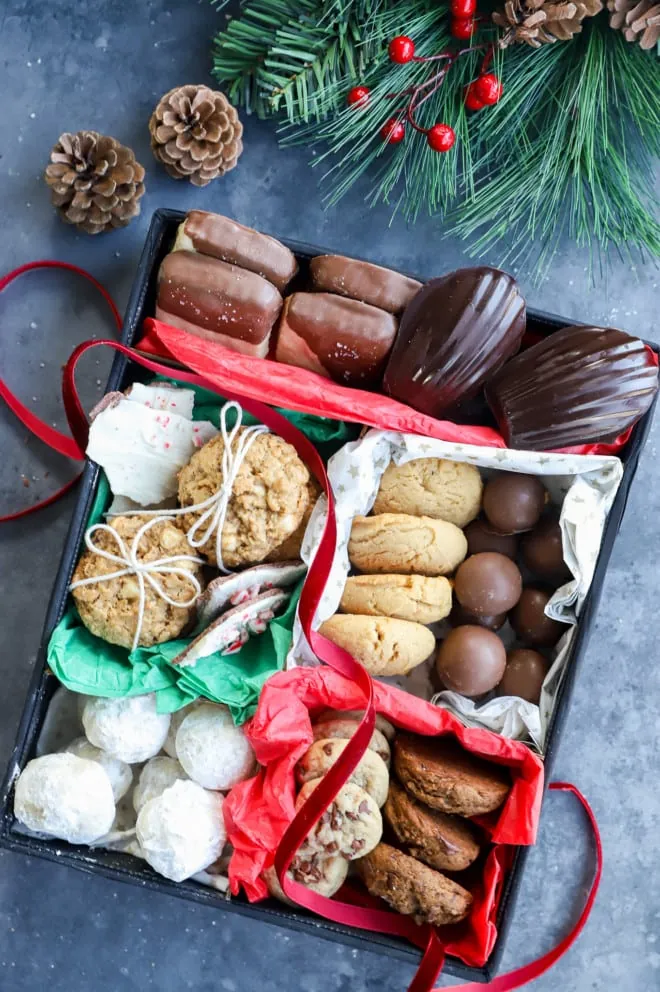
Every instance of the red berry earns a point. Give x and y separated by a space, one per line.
462 27
463 8
393 131
472 101
488 88
441 137
358 95
401 49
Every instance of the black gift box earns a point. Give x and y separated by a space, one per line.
126 868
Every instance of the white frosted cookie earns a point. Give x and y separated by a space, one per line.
129 729
119 773
345 728
350 827
66 797
370 774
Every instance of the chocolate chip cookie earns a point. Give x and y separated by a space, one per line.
412 888
322 875
441 774
438 839
370 774
350 827
344 729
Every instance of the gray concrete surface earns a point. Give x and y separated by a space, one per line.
92 64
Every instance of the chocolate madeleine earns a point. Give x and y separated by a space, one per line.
457 331
363 281
579 385
226 239
342 339
217 301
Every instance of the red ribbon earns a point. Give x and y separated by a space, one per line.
346 913
59 442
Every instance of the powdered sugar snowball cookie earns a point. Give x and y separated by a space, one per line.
119 773
176 719
110 608
212 750
182 831
267 503
349 828
322 875
66 797
129 729
157 775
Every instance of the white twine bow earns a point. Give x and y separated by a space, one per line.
214 509
213 513
144 571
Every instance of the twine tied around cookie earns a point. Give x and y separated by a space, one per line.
143 571
213 511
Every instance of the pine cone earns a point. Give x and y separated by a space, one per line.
95 181
537 22
639 20
196 134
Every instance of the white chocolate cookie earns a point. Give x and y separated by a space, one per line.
350 827
370 774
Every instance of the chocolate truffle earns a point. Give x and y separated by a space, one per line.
471 660
513 502
459 617
482 537
456 331
530 622
524 674
543 554
488 584
578 385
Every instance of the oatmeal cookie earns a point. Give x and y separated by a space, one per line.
370 774
109 608
289 549
441 774
344 729
384 646
399 542
350 827
405 597
268 499
431 487
412 889
438 839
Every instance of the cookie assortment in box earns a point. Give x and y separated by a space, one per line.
311 639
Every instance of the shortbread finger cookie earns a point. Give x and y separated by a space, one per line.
383 645
440 773
441 841
370 774
344 729
386 728
412 888
431 487
267 503
350 827
322 875
400 543
419 598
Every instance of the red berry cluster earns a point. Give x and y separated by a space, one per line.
484 91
